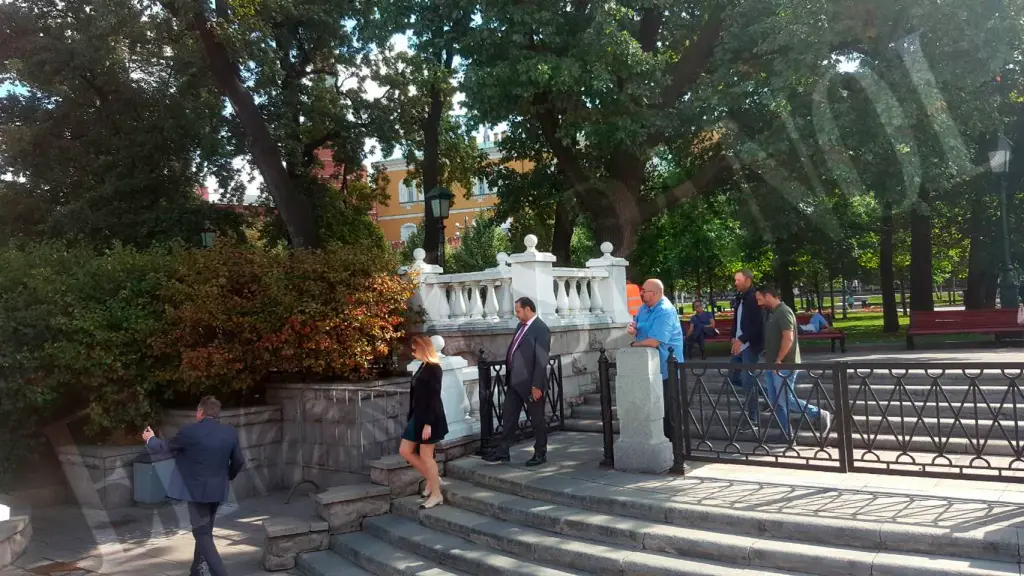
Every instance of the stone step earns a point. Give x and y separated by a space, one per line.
595 426
327 563
622 536
571 552
595 399
449 550
999 544
383 559
592 412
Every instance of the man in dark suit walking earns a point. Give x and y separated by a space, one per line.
208 457
526 377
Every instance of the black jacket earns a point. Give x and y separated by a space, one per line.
752 321
425 406
528 363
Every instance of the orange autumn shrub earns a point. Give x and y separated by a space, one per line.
240 315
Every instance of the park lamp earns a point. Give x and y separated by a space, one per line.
999 159
207 236
440 200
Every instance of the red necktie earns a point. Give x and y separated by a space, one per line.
515 342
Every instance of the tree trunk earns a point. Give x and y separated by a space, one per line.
890 314
982 262
784 276
431 172
561 239
295 209
921 296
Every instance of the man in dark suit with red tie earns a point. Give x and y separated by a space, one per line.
526 377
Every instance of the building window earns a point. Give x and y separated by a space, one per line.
407 231
409 193
481 188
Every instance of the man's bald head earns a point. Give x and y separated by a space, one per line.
653 291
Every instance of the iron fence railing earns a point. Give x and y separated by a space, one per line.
941 420
492 389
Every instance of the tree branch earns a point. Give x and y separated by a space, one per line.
691 65
566 155
650 26
703 180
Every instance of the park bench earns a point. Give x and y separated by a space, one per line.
724 326
997 322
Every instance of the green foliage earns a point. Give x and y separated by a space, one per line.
114 336
75 333
479 248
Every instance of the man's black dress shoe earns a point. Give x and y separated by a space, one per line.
495 457
537 461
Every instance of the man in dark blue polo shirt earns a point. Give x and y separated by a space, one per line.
702 325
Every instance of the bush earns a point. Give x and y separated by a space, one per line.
118 335
241 315
75 327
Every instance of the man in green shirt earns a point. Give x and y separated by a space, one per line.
781 347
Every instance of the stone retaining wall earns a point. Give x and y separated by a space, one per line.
331 432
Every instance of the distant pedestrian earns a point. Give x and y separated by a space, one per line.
427 423
657 326
207 457
747 343
782 347
702 326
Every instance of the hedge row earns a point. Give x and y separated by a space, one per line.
119 335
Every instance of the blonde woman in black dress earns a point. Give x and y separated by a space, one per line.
427 422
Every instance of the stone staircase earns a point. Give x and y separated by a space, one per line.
586 417
574 518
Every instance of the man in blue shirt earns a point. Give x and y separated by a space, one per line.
657 326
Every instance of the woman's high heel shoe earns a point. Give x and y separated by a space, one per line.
431 502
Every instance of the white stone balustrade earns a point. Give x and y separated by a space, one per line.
564 296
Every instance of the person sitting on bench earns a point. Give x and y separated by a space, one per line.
702 326
817 324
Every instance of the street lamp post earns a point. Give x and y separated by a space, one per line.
440 200
999 160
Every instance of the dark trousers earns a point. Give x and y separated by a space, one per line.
202 515
510 411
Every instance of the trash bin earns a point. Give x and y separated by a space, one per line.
152 476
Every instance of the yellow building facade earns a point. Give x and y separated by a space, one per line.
404 210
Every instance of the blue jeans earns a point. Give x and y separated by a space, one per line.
746 382
784 382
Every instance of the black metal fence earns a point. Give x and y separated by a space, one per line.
953 421
492 390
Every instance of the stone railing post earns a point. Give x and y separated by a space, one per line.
642 445
427 296
453 393
532 277
613 288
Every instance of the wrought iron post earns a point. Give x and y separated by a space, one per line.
842 423
486 409
673 407
604 380
684 400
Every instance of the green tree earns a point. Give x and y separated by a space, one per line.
479 247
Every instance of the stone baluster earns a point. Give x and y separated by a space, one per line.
585 296
574 297
458 302
444 309
476 311
508 306
613 288
561 300
491 308
596 306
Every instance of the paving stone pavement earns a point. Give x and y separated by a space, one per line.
70 541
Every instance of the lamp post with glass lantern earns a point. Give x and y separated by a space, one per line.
999 160
440 201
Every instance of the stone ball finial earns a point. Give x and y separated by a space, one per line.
502 259
531 243
419 255
606 248
438 343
